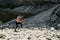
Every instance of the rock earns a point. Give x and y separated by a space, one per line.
45 34
29 38
43 17
9 14
48 38
2 36
58 25
58 12
58 36
54 17
52 28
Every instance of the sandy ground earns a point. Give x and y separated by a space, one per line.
30 34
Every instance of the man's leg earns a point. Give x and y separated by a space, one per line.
21 25
16 26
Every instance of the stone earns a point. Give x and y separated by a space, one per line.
2 36
58 25
58 36
48 38
29 38
52 28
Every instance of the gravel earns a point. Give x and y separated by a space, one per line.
30 34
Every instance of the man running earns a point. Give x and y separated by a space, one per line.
18 21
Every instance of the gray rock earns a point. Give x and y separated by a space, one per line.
58 25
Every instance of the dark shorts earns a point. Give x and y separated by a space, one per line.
17 24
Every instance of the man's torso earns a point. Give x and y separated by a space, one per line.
18 19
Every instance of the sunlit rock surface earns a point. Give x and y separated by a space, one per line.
30 34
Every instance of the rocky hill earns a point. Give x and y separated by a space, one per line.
47 14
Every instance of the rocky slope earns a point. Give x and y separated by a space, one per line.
6 14
46 16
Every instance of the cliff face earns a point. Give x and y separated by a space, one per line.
43 15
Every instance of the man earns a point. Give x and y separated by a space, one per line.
18 21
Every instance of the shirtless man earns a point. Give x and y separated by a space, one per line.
18 21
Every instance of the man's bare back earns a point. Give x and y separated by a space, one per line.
18 19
